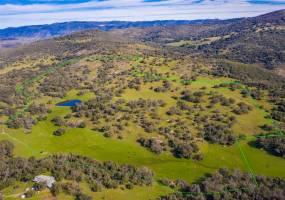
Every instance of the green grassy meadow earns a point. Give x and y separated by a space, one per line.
41 142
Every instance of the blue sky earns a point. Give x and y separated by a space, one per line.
31 12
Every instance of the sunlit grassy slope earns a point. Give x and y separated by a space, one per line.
41 142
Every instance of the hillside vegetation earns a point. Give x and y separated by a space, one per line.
257 40
151 121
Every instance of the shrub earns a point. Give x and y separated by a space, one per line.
59 132
274 145
152 144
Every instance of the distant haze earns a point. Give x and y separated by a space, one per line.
33 12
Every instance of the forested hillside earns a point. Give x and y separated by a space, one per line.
257 40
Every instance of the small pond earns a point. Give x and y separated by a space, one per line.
69 103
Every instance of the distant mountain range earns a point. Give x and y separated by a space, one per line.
59 29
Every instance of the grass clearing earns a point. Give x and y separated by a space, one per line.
41 142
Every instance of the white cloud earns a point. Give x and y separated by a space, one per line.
131 10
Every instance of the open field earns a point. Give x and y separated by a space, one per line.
41 142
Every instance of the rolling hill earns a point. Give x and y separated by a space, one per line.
162 112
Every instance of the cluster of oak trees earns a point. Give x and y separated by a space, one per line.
216 127
71 168
226 184
251 75
261 44
278 113
274 145
27 119
59 83
261 79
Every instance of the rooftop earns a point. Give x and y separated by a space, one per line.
50 180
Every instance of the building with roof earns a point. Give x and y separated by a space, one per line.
49 180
